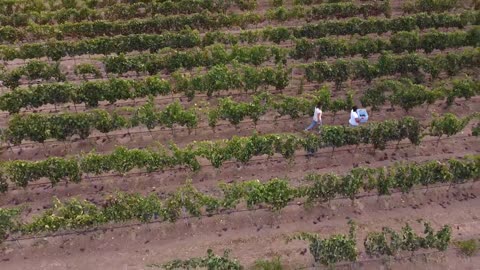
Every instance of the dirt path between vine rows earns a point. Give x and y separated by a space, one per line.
251 235
258 234
200 101
38 195
296 66
95 187
140 137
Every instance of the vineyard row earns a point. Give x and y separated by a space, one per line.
23 15
188 38
199 21
172 60
113 90
334 249
342 70
403 93
221 78
122 12
241 149
127 11
8 7
274 194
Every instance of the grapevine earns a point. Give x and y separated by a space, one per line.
240 149
275 193
389 242
190 38
389 64
160 24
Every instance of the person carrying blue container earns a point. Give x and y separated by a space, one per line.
354 119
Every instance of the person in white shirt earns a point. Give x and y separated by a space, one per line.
354 119
317 117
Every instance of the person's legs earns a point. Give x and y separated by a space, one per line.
312 125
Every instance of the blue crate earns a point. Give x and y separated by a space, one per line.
363 115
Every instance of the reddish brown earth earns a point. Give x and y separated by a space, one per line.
254 234
250 234
260 233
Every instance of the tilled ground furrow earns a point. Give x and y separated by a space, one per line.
141 137
252 234
96 188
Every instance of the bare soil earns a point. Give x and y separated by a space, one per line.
141 137
260 234
250 234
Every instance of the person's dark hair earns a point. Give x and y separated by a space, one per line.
319 105
354 108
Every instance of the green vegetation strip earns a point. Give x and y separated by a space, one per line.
334 249
113 90
241 76
188 38
275 194
403 93
413 6
172 60
121 11
342 70
206 8
160 23
21 6
241 149
91 93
